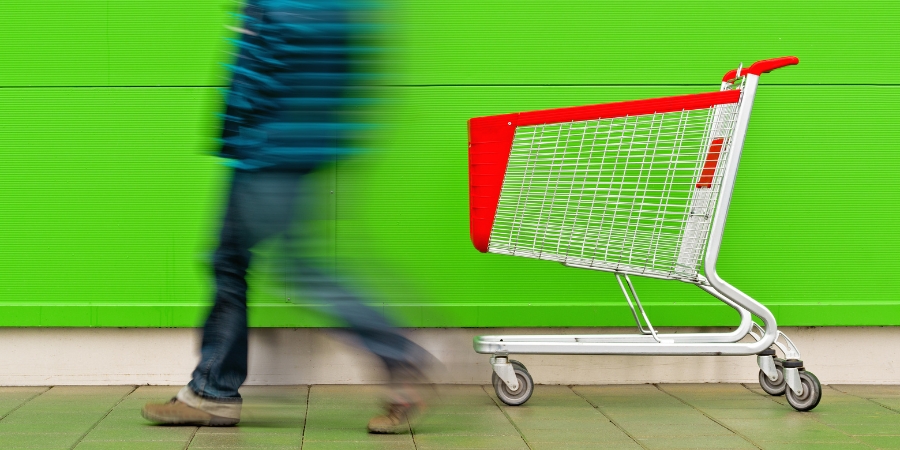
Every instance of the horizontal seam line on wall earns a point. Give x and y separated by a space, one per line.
463 85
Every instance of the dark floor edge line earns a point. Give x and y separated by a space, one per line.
511 421
305 416
25 401
736 433
772 398
216 86
610 419
81 438
191 440
412 434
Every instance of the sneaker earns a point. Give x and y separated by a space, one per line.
176 412
395 420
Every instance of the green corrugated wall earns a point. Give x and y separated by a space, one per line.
109 200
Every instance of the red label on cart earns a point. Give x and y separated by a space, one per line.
712 160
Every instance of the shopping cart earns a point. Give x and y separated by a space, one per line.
634 188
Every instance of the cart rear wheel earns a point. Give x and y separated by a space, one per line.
520 395
776 387
809 398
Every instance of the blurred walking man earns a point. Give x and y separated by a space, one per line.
295 83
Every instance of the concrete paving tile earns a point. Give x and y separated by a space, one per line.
38 440
255 428
473 396
767 445
470 442
558 396
338 424
652 429
292 392
48 422
645 397
21 391
885 442
573 445
685 419
892 420
624 390
874 428
870 390
359 434
324 397
868 408
442 408
889 402
711 390
606 434
154 393
265 404
696 442
131 445
734 397
563 424
645 411
342 445
794 420
339 418
13 397
139 431
464 425
345 390
793 429
255 440
81 393
553 412
775 413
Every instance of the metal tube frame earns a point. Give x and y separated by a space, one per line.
649 342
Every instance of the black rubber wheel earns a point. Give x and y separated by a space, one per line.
520 395
776 387
809 398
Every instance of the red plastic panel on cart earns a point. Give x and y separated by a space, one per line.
490 141
709 167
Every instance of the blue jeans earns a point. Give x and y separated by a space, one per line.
264 205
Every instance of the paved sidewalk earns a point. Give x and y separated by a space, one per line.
667 416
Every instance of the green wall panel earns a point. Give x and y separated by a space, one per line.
114 42
109 199
106 193
111 203
180 43
53 42
645 42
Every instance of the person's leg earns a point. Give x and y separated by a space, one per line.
223 352
259 207
211 397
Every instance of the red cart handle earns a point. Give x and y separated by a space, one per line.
764 66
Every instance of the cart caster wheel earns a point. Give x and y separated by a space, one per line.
515 364
776 387
812 393
519 396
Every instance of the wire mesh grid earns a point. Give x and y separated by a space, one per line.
620 194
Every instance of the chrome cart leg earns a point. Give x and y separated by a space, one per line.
637 300
505 371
